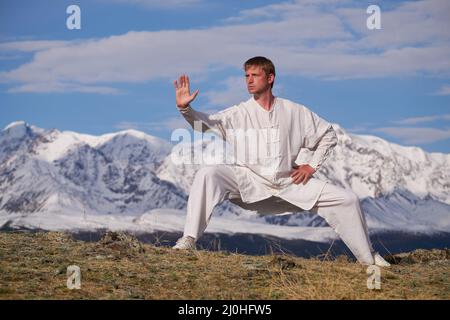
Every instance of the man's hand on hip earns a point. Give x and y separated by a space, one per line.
183 95
302 173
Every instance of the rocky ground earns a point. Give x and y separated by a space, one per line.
33 265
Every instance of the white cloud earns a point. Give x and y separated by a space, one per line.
412 23
359 128
413 135
232 91
318 39
151 126
157 3
443 91
288 9
32 45
63 88
416 120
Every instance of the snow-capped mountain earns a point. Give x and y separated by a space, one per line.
55 180
370 166
401 188
49 170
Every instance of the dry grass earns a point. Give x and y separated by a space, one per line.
33 266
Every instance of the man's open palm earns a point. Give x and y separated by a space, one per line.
183 95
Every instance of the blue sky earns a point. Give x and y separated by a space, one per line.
116 72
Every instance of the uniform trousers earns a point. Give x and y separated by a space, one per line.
338 206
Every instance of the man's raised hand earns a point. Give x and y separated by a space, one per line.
183 95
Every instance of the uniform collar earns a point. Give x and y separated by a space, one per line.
275 101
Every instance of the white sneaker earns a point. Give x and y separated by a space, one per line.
185 243
379 260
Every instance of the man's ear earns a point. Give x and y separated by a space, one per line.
271 78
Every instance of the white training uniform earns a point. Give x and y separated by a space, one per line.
260 177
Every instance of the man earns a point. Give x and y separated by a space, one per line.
274 182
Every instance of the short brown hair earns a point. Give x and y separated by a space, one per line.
264 63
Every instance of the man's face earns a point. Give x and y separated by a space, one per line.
257 80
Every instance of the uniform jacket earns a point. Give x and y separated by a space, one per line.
266 145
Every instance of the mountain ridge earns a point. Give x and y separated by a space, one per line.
132 173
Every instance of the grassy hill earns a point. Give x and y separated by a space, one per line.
34 266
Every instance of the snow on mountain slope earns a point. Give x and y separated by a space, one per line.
400 187
48 169
60 179
369 165
372 167
170 220
402 210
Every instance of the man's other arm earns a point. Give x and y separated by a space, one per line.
323 149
